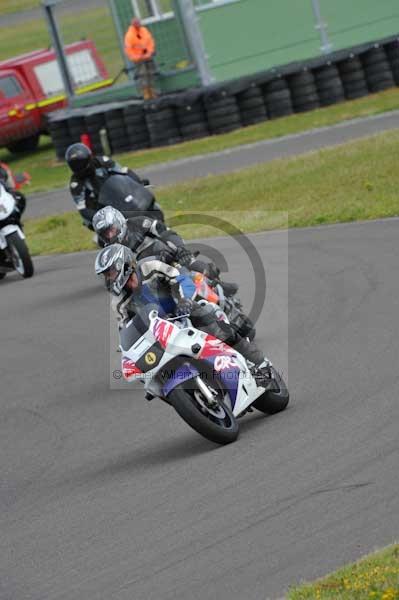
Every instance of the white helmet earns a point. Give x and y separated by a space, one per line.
116 263
110 225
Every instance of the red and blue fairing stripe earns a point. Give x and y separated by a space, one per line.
220 358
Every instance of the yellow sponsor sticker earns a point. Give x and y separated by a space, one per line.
150 358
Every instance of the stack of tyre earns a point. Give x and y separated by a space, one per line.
161 123
77 126
116 130
303 90
328 84
94 124
191 118
251 104
392 52
60 135
377 69
353 78
222 112
136 126
277 97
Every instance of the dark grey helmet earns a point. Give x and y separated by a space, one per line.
79 158
116 263
110 225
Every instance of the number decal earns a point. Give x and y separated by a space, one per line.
150 358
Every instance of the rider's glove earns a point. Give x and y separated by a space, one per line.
183 256
168 255
184 307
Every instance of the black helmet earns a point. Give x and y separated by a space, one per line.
79 158
116 263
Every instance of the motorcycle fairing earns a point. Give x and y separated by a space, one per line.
129 369
7 204
183 373
7 230
227 365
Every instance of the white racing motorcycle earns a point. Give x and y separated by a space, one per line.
206 381
14 253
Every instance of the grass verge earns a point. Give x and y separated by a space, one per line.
355 181
47 173
15 6
18 6
375 577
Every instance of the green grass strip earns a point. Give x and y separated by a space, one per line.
48 173
14 6
375 577
355 181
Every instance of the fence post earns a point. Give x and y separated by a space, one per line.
326 45
185 11
48 6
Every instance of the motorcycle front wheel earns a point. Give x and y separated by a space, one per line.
19 255
215 422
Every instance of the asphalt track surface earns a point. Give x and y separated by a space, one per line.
103 495
59 201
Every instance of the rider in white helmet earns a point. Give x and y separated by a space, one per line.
152 283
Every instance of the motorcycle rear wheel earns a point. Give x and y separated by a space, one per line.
274 401
20 256
216 424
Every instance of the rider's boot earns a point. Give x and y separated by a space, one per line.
259 365
213 272
204 317
263 374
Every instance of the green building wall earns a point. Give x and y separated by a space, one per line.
246 36
356 21
173 58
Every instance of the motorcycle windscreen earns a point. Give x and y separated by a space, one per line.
130 333
125 194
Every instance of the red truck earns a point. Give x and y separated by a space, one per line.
31 86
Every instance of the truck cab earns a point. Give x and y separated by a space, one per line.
31 86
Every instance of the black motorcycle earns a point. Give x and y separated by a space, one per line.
131 198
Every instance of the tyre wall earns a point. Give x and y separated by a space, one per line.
221 108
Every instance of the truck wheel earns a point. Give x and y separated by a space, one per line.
26 145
